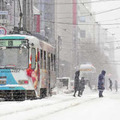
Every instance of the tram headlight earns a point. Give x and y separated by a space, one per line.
23 82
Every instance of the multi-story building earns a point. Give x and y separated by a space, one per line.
47 16
65 19
92 39
70 32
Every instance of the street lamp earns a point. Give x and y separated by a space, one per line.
21 15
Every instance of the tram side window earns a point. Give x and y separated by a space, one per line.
52 62
44 59
48 61
33 52
41 59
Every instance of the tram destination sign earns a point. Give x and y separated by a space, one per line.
12 43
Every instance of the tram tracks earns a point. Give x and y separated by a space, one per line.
33 107
69 102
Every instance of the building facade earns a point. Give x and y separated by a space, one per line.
65 34
47 19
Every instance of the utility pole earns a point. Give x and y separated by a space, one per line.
58 53
58 66
21 14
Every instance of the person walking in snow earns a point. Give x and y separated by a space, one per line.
101 83
76 82
116 85
110 81
81 87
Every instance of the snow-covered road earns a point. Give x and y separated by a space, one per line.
107 108
64 107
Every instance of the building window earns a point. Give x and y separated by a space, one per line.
41 59
82 19
52 62
33 52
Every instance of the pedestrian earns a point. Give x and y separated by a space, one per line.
116 85
101 83
110 82
81 86
76 82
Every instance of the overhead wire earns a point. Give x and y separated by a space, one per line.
109 20
69 3
102 12
81 24
68 23
71 23
84 23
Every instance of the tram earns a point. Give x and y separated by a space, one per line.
27 67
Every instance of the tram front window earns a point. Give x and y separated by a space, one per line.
14 58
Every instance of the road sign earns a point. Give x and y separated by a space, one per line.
3 12
3 31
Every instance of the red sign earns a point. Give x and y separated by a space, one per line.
3 31
74 12
37 23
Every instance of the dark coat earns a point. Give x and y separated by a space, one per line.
101 81
110 81
76 81
82 84
116 84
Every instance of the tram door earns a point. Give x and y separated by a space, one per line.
49 73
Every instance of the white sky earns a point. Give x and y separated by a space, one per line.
108 17
103 6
